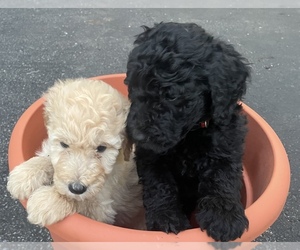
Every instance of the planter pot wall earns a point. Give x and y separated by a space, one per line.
266 179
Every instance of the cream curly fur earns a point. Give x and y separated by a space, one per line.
82 114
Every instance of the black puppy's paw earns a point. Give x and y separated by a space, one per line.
167 221
223 224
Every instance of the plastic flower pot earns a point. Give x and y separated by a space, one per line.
266 181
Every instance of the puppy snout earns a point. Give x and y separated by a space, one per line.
138 136
77 188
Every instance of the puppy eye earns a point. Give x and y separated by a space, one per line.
101 149
64 145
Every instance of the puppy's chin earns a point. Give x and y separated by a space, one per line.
78 197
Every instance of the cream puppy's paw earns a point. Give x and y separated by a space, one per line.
46 206
29 176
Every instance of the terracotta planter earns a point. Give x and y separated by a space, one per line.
266 179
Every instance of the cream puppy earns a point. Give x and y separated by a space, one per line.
84 165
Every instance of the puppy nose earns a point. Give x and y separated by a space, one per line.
137 135
77 188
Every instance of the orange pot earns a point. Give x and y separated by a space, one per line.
266 179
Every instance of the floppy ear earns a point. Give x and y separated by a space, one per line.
127 148
228 74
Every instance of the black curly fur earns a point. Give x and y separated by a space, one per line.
178 76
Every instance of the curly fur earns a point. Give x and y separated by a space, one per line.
178 75
81 115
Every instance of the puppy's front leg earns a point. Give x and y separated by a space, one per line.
161 200
46 206
24 179
220 211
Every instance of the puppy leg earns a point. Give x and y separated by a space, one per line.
29 176
46 206
161 199
220 211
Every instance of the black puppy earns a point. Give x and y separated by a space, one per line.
187 124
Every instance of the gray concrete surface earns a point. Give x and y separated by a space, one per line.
38 46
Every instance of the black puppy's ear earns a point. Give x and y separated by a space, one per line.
228 75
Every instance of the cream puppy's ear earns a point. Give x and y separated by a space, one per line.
127 148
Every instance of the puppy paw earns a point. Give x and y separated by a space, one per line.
167 221
46 206
29 176
222 223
